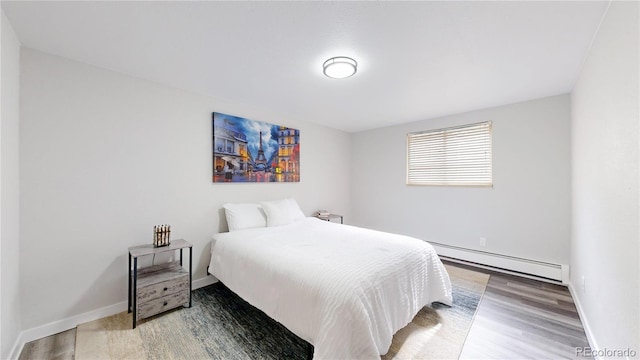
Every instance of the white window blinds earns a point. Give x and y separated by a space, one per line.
455 156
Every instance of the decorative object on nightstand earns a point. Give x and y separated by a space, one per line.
161 235
158 288
327 216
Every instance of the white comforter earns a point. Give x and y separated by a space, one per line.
344 289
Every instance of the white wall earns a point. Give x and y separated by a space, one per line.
527 212
9 191
104 157
605 233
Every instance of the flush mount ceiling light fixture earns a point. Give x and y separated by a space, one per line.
340 67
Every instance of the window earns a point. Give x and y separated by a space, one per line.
455 156
230 146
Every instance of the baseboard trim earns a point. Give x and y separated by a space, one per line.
17 347
583 318
58 326
557 273
55 327
202 282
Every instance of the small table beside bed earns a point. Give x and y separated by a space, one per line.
344 289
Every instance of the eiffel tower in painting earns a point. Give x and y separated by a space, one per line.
261 160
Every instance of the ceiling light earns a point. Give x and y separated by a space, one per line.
340 67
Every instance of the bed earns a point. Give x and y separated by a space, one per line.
346 290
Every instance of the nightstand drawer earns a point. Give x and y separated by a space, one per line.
164 303
177 282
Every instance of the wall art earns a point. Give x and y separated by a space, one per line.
247 150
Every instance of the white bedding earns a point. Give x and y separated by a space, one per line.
344 289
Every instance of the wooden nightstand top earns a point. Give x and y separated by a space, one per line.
330 216
149 249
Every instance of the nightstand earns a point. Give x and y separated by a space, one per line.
331 216
158 288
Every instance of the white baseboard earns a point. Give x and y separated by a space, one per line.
17 348
583 318
520 266
202 282
58 326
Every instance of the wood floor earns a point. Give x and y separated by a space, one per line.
517 318
520 318
55 347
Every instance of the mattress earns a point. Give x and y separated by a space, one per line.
344 289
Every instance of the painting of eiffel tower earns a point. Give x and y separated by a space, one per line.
247 150
261 161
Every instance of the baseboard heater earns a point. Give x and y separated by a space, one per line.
556 273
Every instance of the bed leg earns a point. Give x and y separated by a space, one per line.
309 352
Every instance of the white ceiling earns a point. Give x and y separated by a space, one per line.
417 60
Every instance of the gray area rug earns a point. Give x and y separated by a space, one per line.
220 325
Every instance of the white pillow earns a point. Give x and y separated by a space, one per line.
244 216
282 212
